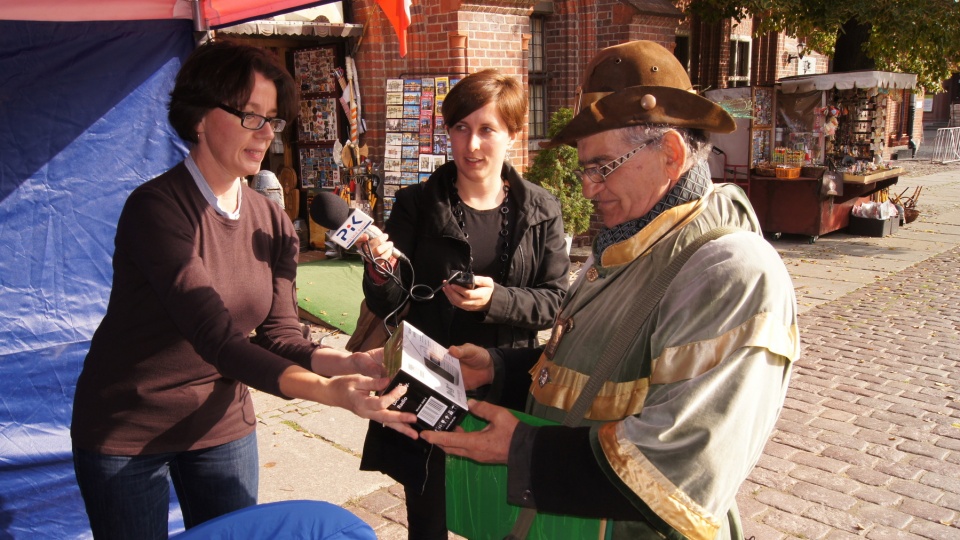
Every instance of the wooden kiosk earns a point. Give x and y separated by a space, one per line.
811 129
816 203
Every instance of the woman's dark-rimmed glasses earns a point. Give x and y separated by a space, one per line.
254 121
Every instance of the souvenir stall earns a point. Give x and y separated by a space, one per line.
826 147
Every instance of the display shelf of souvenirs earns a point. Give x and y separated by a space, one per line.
866 172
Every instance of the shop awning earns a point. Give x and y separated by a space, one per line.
294 28
847 81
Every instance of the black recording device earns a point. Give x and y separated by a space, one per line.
463 279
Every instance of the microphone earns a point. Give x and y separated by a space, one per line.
332 212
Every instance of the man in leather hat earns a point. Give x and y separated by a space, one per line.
694 389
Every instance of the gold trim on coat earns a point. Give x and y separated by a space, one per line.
561 388
692 359
618 400
659 493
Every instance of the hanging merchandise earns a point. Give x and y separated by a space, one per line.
356 123
318 127
354 79
346 159
338 153
416 138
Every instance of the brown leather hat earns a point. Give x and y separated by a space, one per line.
634 83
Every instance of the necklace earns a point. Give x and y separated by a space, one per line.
504 210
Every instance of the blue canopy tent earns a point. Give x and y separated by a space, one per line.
84 104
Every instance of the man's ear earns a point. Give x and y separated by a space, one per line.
675 154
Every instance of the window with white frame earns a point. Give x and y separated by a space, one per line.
738 73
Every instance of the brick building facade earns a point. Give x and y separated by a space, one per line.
446 38
451 36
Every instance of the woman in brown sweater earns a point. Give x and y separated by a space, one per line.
202 261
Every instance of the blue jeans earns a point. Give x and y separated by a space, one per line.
127 497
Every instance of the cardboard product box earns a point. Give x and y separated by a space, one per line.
436 393
873 227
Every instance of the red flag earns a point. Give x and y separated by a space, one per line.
398 13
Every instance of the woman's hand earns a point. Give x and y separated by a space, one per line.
369 363
353 392
489 445
380 246
377 252
476 365
476 299
331 362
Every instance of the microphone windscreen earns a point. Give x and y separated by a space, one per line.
329 210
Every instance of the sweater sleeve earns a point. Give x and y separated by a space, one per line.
280 332
159 232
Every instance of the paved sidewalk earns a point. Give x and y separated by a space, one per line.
868 444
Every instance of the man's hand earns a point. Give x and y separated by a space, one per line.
475 364
489 445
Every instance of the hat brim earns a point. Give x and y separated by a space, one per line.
673 107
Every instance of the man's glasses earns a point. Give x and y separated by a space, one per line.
598 175
255 121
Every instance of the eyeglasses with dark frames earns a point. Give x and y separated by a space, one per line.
255 121
599 174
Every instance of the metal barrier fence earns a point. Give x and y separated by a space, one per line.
947 148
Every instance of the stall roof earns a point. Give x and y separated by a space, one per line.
322 21
294 28
846 81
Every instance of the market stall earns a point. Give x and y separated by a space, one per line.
819 144
816 201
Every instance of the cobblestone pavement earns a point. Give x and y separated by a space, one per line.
868 443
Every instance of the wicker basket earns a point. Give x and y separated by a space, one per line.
910 214
788 172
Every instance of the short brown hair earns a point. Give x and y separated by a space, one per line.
476 90
223 72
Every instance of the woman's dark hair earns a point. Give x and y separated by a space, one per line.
222 72
476 90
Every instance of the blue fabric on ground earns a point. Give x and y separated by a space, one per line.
285 520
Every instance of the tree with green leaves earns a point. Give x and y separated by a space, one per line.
553 169
907 36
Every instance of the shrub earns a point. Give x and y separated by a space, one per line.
553 169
